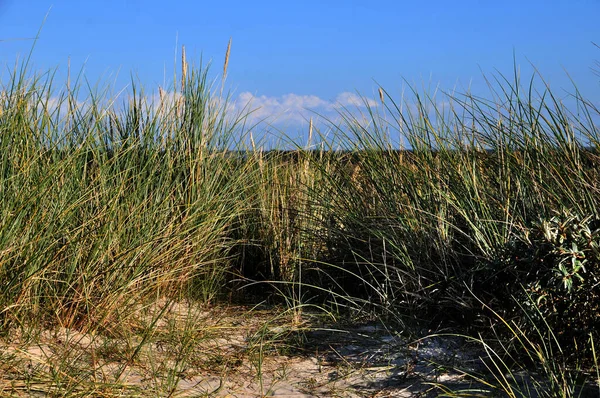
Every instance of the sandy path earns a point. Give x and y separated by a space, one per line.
232 352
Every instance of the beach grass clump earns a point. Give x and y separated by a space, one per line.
105 204
451 214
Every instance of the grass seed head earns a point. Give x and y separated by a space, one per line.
310 132
226 64
184 68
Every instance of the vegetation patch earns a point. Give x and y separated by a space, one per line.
125 222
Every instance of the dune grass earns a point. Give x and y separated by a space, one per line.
468 215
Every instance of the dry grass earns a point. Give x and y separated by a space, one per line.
184 69
226 63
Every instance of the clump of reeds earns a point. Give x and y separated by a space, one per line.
104 207
424 208
419 231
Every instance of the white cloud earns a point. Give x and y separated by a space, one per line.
59 108
288 111
295 108
165 100
349 100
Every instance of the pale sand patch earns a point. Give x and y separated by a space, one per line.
229 352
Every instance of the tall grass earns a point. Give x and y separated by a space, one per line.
489 196
106 203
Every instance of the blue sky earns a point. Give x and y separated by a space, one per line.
311 52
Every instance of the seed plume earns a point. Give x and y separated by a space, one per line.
226 58
184 67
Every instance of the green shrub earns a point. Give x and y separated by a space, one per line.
564 275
